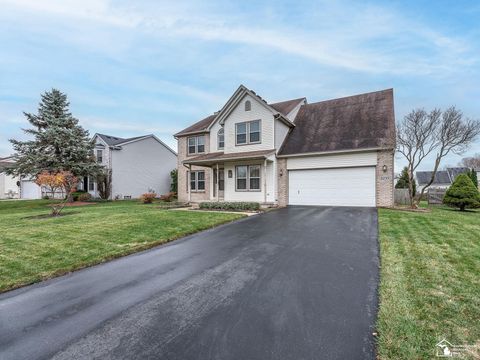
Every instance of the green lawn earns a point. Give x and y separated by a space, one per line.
430 281
33 249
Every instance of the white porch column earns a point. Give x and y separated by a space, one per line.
216 183
188 182
265 181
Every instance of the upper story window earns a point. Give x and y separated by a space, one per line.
221 138
248 132
248 105
100 156
196 144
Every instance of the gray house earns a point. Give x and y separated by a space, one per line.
139 164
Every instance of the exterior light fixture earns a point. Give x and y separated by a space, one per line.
384 168
281 172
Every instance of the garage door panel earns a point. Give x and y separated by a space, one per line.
335 187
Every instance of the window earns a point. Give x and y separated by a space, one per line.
100 156
247 177
196 144
241 133
221 138
197 180
248 132
91 183
248 105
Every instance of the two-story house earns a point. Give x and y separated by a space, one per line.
138 165
334 152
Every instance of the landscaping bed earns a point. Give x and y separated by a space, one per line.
35 246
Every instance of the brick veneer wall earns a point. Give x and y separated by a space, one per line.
282 187
182 172
384 180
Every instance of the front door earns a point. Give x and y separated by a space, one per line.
221 183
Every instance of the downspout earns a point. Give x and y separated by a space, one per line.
216 184
188 182
265 181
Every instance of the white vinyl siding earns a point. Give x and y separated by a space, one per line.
332 161
239 115
332 187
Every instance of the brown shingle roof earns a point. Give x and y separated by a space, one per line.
351 123
220 156
284 107
199 126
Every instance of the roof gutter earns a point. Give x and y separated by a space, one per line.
317 153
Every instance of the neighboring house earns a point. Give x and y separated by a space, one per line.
139 164
443 178
334 152
14 188
9 189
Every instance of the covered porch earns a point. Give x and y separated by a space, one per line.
244 176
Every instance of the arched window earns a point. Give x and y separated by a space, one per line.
248 105
221 138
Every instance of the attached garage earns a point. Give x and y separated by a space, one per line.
30 190
333 179
353 186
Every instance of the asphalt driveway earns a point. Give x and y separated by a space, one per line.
296 283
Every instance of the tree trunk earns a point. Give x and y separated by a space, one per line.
462 207
68 190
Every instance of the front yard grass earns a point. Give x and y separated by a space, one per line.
430 281
33 249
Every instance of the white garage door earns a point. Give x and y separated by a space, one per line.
335 187
30 190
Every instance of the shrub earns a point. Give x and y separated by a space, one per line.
170 196
234 206
174 181
77 193
85 197
462 194
148 198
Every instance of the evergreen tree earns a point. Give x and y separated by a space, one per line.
473 176
462 194
59 142
403 181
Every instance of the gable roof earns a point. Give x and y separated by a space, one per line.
441 177
113 141
454 171
284 107
364 121
199 126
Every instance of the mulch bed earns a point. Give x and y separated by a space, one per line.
49 216
76 203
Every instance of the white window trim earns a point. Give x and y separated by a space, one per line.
247 135
248 179
99 157
218 139
196 145
196 180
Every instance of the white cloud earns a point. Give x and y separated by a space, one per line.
364 38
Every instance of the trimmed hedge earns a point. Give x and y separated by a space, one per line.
235 206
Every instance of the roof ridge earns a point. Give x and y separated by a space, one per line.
350 96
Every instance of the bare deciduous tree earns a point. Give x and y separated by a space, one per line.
472 162
421 134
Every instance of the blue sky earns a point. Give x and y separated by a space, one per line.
131 68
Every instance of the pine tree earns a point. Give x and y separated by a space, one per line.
473 176
462 194
403 181
59 142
